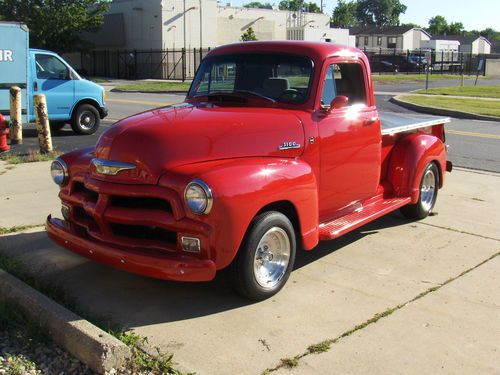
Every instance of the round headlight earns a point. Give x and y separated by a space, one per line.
59 171
198 197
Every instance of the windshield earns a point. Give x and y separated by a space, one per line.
278 77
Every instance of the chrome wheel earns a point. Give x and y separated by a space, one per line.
428 190
271 257
87 120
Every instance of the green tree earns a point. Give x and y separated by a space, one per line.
312 7
379 12
248 35
258 4
296 5
56 24
491 34
344 14
411 24
455 28
438 25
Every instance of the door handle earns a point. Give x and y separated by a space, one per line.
370 121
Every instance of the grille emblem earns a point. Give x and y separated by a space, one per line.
110 168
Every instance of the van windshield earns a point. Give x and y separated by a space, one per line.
275 77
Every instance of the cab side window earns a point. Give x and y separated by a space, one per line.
50 67
329 90
344 79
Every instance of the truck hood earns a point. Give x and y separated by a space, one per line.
164 138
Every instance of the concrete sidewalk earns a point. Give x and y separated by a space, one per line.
27 194
452 327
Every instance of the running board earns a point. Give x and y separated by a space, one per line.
329 230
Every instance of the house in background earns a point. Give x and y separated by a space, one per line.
468 44
393 37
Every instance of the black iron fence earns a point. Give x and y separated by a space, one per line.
418 61
180 64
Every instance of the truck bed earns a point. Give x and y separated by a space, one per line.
393 123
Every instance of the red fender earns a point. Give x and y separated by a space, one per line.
408 161
241 188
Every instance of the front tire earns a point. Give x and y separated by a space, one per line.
429 185
265 258
85 120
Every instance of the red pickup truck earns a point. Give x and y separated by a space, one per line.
278 145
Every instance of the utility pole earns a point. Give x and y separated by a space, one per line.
184 22
201 27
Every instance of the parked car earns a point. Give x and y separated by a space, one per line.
287 151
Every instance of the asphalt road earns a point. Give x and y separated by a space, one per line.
473 144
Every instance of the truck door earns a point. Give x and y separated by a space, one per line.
53 79
350 140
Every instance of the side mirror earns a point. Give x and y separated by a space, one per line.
339 101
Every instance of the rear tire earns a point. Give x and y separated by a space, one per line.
85 119
429 186
265 258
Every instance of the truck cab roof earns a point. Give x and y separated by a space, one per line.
317 51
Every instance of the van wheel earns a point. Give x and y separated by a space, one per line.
85 119
265 258
429 185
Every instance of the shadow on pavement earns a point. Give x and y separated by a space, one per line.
131 300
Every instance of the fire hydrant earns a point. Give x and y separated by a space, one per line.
4 132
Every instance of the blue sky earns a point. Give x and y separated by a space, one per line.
478 14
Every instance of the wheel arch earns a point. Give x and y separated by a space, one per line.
244 188
287 208
90 101
410 157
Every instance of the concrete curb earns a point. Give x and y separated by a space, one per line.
91 345
440 111
150 92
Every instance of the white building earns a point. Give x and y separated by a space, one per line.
441 45
175 24
468 44
392 37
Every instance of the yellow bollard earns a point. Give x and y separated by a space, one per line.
16 119
42 124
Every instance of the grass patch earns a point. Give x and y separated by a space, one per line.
473 91
474 106
321 347
31 157
140 361
401 78
98 80
17 228
156 86
290 362
19 365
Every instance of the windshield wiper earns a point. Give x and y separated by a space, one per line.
235 93
255 94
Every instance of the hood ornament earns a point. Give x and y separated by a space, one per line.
289 145
109 167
